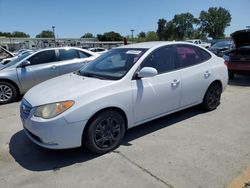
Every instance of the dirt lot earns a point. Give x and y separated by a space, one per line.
190 148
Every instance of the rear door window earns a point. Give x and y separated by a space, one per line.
188 55
67 54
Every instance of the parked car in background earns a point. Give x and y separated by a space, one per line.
4 53
98 50
7 60
27 70
220 47
122 88
200 43
238 59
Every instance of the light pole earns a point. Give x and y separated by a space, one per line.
132 34
53 28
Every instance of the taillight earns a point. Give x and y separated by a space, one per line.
227 59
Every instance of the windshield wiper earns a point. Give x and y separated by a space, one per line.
92 75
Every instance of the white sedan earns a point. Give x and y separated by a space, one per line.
123 88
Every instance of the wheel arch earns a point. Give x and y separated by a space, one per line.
213 82
117 109
218 82
12 83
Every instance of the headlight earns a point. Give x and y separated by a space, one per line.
52 110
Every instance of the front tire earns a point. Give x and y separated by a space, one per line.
212 97
8 93
105 132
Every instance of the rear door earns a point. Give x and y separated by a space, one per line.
72 60
43 66
195 73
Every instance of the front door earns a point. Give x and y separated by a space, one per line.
43 66
157 95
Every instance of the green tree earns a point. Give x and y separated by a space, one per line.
169 33
5 34
88 35
161 28
14 34
141 37
110 36
152 36
20 34
214 21
183 24
45 34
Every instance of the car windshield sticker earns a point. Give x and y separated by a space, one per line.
134 52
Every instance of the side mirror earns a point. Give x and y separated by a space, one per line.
147 72
25 63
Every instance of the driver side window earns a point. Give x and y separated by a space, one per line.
47 56
161 59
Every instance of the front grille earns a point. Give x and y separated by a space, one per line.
25 109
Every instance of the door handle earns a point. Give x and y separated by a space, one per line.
207 74
175 82
53 67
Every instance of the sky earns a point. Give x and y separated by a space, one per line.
73 18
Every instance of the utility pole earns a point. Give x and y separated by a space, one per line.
132 34
53 28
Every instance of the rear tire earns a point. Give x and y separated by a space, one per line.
8 93
212 97
105 132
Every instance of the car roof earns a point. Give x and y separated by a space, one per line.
68 47
153 44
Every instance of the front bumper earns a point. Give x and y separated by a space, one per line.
55 133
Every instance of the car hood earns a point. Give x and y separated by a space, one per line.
241 38
66 87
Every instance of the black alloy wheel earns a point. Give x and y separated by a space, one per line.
105 132
212 97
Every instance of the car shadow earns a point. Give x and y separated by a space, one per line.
35 158
240 80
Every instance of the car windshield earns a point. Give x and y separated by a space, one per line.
223 44
114 64
18 59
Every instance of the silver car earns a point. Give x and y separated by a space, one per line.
22 73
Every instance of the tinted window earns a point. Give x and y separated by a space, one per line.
162 60
83 54
43 57
190 55
68 54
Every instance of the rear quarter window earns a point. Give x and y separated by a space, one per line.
188 55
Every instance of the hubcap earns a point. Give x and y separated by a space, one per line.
107 132
214 96
5 93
